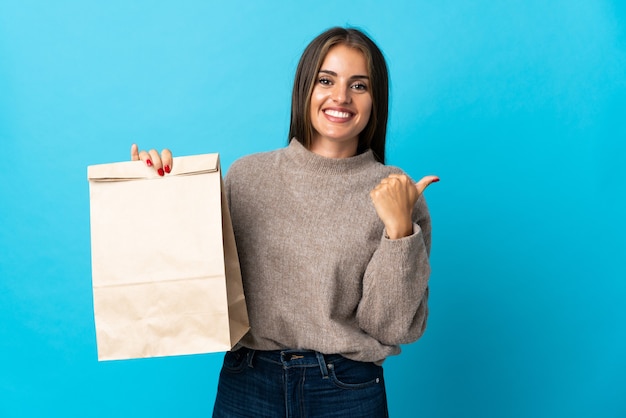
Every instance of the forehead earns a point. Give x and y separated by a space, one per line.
345 58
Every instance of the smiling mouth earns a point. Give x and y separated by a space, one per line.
337 114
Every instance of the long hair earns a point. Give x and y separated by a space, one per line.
374 134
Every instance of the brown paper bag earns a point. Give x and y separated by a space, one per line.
165 272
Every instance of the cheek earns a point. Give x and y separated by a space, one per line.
314 105
316 99
367 110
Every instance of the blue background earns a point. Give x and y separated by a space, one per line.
518 106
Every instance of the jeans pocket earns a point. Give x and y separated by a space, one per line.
235 361
350 374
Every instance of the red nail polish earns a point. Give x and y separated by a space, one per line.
167 169
435 180
149 163
160 171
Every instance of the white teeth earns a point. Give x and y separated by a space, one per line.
337 113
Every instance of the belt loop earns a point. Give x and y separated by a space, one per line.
322 362
251 354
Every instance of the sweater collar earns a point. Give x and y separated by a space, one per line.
312 162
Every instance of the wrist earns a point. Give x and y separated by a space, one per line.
397 232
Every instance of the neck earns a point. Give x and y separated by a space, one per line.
331 149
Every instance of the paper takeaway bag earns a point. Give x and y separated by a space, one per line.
165 272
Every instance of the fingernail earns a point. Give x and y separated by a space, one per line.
149 163
167 169
160 171
435 180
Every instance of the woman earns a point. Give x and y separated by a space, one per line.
333 246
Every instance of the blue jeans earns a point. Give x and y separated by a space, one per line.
298 384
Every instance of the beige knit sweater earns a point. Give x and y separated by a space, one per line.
318 272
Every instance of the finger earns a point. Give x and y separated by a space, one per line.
400 180
145 157
392 178
401 177
156 162
389 184
168 161
425 182
134 152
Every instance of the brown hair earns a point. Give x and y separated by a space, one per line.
301 128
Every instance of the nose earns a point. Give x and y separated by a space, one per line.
341 93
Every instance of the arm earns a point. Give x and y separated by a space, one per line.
394 304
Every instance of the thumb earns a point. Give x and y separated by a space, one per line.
134 152
425 182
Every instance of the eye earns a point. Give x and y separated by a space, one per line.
324 81
360 86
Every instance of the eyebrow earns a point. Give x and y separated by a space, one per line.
357 76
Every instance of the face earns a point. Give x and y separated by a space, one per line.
341 102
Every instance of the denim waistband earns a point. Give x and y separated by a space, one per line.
293 358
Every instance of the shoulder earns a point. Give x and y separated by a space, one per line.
252 165
390 169
381 170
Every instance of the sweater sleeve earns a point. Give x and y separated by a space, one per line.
394 304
